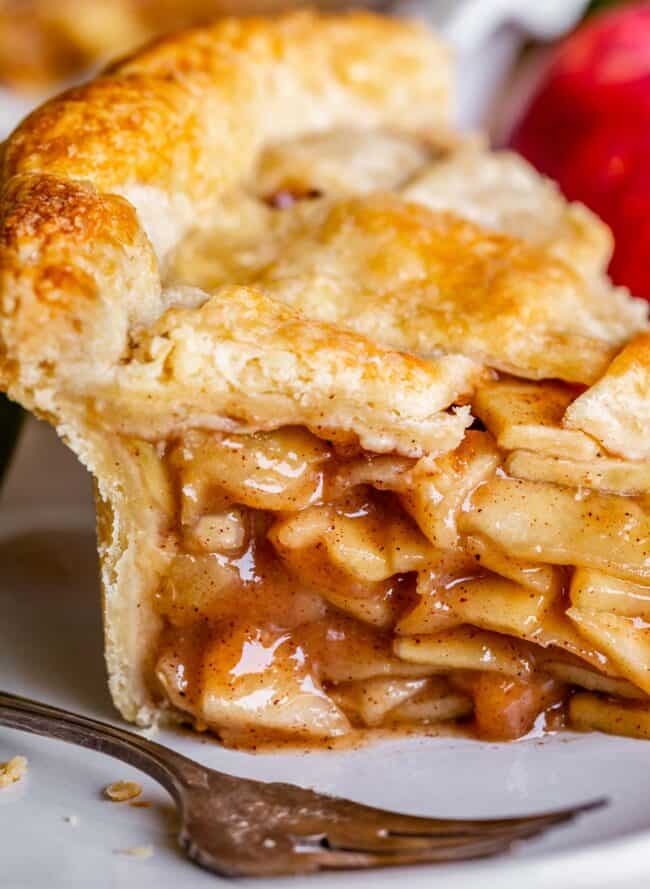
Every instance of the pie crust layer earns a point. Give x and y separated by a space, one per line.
367 420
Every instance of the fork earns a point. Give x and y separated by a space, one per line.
239 827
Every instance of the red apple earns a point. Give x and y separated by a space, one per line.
588 126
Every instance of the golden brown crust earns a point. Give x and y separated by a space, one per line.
616 411
117 130
76 271
417 279
243 358
151 120
150 125
501 191
413 278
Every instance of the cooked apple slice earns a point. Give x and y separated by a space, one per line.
362 536
386 472
625 639
432 704
557 631
345 650
529 415
466 648
493 603
432 613
594 591
489 602
380 609
267 470
577 674
534 575
221 532
600 473
549 523
378 701
212 588
439 487
506 708
590 712
372 699
253 680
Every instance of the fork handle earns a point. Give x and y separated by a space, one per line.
169 768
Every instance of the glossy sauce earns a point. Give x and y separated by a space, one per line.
295 560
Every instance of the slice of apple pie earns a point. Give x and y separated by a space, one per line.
368 423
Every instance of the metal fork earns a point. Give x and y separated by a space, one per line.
238 827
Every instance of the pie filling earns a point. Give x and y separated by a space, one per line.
308 589
312 589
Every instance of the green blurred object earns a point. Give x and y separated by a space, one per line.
599 5
11 418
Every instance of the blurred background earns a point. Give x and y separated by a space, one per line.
565 83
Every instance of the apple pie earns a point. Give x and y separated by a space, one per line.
369 425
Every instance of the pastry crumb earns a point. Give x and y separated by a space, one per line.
149 731
72 820
136 852
122 791
12 771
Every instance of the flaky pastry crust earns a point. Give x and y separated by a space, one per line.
360 314
86 180
616 410
501 191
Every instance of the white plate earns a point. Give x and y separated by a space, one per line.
51 649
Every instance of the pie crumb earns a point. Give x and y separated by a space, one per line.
72 820
121 791
136 851
149 731
12 771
